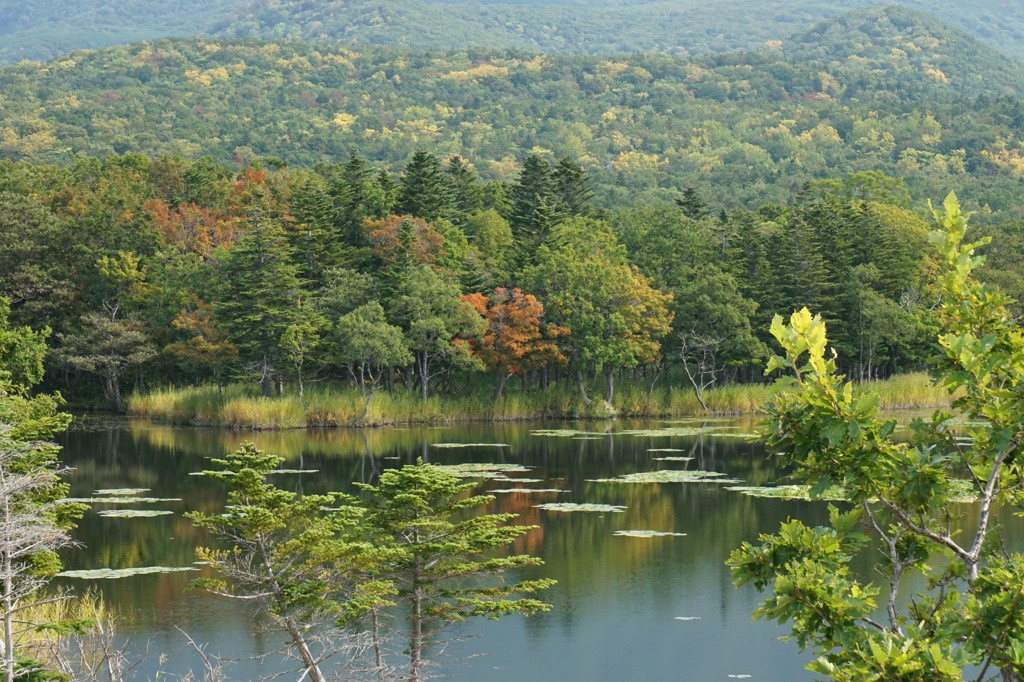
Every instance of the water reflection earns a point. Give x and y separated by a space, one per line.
619 600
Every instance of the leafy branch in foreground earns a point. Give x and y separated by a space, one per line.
969 623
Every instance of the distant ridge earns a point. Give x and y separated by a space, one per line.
906 53
40 30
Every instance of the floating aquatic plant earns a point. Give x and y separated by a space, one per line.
672 459
112 573
121 492
789 492
133 513
476 470
687 618
581 507
671 431
668 476
568 433
959 490
665 450
646 533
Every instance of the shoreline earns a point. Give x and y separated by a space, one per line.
336 407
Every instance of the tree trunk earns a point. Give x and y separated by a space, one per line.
424 376
583 389
366 406
114 386
609 378
502 379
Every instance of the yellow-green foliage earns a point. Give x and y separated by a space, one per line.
241 407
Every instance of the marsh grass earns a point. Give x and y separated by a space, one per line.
327 406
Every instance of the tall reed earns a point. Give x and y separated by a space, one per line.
241 407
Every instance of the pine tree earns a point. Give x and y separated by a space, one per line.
572 187
444 556
467 190
426 190
260 299
692 205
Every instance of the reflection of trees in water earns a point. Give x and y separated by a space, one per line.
593 566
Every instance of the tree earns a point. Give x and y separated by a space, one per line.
298 555
207 347
515 340
713 322
970 618
34 263
33 518
617 319
444 555
437 324
106 346
365 342
692 205
260 299
535 206
426 190
572 187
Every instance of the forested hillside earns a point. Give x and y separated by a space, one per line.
44 30
939 112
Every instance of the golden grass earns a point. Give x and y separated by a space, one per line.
241 407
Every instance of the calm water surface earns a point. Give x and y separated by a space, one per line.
617 605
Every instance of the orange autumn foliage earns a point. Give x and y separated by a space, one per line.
516 338
397 239
199 230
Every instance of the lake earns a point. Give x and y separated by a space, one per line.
625 608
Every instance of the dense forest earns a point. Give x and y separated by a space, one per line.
157 270
680 27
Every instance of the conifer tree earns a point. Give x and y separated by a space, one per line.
467 190
426 190
260 298
444 558
536 207
572 187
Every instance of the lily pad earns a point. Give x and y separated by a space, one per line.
671 431
469 445
668 476
789 492
133 513
733 434
566 433
665 450
482 470
121 492
672 459
646 533
579 507
686 618
112 573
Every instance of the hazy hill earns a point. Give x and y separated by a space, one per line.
751 125
906 53
39 30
